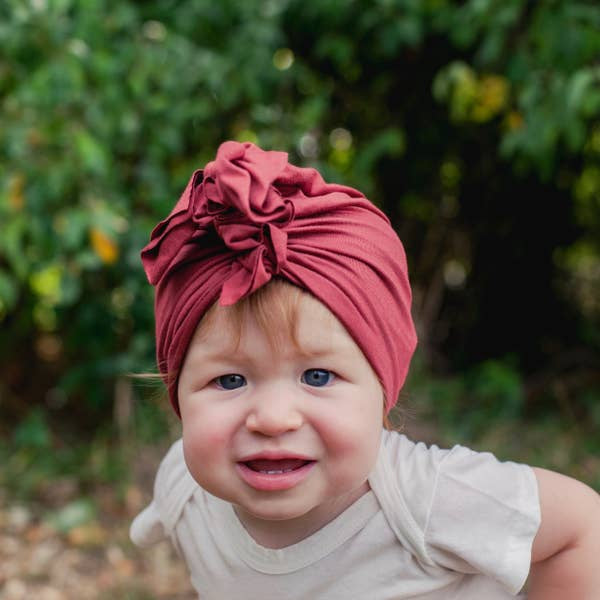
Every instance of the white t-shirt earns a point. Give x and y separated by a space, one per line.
436 525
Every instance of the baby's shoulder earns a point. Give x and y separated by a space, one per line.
414 457
404 478
424 473
403 451
458 508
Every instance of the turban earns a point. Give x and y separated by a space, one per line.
249 216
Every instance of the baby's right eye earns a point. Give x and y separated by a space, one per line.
231 381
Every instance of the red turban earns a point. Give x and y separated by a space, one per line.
249 216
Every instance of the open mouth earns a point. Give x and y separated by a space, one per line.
276 467
268 474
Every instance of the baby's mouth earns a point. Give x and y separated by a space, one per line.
276 467
274 473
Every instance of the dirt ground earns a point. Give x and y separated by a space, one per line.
72 555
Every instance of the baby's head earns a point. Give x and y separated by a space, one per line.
250 217
283 331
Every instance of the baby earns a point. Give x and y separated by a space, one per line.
284 336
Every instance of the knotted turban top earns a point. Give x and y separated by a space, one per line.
249 216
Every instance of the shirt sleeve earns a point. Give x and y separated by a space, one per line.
173 487
483 516
147 528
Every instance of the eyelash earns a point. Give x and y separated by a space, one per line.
232 378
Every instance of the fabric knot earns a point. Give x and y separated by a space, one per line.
265 256
275 240
241 200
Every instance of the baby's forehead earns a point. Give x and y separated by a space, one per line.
308 327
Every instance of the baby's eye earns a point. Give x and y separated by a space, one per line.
317 377
231 381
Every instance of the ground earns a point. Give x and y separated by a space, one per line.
71 554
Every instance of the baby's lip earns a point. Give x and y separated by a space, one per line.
267 474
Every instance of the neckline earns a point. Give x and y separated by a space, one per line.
305 552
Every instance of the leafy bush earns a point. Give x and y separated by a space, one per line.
475 125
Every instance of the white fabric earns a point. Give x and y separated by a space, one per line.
436 525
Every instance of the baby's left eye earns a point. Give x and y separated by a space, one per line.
317 377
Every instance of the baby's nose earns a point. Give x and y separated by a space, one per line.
274 413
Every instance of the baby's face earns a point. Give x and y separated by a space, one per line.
282 435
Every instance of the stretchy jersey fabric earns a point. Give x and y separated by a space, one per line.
436 525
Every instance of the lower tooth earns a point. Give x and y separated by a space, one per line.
277 472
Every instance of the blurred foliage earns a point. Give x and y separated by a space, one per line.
486 408
38 457
475 125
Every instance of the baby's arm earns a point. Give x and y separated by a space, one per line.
566 549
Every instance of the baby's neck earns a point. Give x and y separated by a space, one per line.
280 534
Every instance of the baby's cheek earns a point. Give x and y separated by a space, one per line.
346 433
352 448
203 446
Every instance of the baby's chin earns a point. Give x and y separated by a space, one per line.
278 514
272 510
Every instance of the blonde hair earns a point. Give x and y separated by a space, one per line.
274 307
